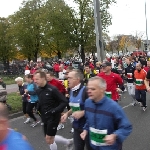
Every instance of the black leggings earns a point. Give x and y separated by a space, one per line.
24 107
30 111
68 107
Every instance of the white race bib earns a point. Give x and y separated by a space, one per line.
108 94
75 106
97 137
139 82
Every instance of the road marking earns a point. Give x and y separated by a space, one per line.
127 106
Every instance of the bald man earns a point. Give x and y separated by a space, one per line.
10 139
140 88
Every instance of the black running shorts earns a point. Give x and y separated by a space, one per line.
50 127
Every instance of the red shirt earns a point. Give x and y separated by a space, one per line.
58 84
56 67
146 68
112 80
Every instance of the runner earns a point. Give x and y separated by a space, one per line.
22 88
78 95
129 72
140 88
113 81
10 139
51 105
32 98
106 122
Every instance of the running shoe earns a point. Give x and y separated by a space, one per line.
27 121
35 123
70 145
140 104
144 108
60 126
72 130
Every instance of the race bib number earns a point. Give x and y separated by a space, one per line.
97 71
75 106
129 75
97 137
108 94
139 82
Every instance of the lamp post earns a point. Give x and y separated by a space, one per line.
98 30
146 23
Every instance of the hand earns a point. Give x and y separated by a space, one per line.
78 114
83 135
118 90
148 89
64 118
26 91
67 95
110 139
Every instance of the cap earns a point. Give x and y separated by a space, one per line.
105 64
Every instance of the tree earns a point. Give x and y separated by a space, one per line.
6 47
84 23
27 28
58 27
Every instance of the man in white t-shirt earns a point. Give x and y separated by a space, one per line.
62 72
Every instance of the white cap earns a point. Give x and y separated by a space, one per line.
19 79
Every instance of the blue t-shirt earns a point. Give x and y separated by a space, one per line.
15 141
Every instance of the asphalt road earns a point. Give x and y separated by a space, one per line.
138 140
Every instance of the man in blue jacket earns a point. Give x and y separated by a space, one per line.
106 122
10 139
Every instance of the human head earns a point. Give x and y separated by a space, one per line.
97 64
87 69
74 78
61 67
138 66
106 67
148 63
29 78
128 60
19 81
69 69
40 78
96 88
49 76
4 125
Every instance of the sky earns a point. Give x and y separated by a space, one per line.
128 16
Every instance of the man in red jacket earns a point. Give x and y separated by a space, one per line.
113 80
53 81
147 67
56 68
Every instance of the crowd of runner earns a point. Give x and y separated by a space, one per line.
88 96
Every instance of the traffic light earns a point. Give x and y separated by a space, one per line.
145 45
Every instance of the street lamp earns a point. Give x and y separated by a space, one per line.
146 24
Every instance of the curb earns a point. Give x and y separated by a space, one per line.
15 115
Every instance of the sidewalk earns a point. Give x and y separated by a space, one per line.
12 88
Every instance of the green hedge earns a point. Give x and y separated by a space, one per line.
15 101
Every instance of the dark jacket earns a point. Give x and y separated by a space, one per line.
51 102
21 90
130 70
